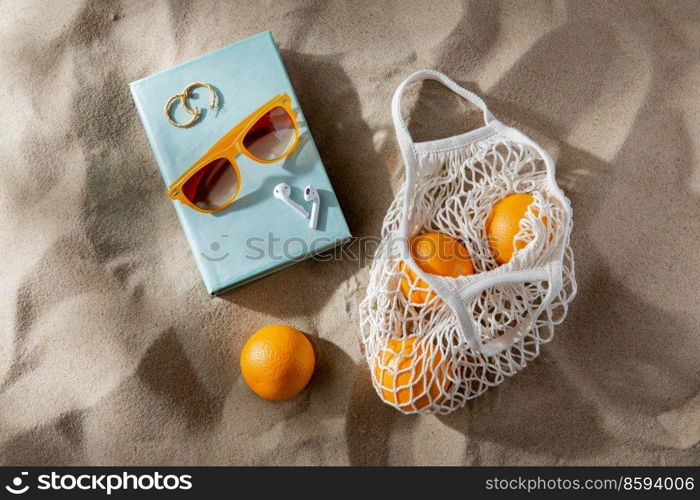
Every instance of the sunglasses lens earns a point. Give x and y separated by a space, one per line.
271 136
211 186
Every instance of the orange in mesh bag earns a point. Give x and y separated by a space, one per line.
435 331
410 375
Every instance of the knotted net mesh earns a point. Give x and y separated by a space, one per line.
418 357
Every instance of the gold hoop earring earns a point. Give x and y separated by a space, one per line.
188 90
196 112
168 105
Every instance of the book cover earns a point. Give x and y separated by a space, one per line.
257 234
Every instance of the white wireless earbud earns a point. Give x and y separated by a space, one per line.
282 192
310 194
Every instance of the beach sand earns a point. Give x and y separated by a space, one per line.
112 353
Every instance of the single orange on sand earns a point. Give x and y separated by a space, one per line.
277 362
503 225
435 253
403 378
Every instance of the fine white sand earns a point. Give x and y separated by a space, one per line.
112 353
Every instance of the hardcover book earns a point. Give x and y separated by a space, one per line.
257 233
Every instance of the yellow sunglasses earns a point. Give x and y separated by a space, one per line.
267 135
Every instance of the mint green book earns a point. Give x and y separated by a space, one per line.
257 234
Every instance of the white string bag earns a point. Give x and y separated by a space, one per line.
475 330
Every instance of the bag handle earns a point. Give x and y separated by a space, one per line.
406 142
402 133
552 273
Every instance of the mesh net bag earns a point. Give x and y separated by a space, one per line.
433 342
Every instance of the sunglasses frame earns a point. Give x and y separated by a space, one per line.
230 146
